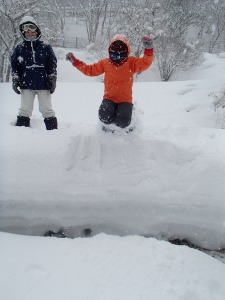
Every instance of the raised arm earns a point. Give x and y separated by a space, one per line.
89 70
140 64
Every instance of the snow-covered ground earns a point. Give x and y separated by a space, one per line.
164 180
106 268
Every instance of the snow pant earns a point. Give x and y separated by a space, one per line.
45 107
27 103
120 114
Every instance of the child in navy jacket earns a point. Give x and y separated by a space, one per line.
34 72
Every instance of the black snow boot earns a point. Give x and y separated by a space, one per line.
51 123
23 121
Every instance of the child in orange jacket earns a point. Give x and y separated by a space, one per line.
119 68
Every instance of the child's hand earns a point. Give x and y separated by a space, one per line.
70 57
147 42
74 61
16 84
52 82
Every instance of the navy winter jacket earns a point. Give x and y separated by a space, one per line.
33 62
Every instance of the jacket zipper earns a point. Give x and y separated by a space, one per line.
33 52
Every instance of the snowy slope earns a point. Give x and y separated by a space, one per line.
148 182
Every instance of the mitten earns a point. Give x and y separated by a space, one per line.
52 82
16 84
70 57
147 42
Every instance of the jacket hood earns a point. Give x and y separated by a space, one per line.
120 37
26 20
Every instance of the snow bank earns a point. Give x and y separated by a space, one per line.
165 179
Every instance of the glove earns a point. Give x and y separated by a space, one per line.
52 82
147 42
74 61
16 84
70 57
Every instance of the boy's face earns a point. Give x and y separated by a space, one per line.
30 31
30 35
118 51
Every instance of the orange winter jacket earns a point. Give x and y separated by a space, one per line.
118 79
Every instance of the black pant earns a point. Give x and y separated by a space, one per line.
119 114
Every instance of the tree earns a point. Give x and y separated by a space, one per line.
134 21
219 108
175 54
93 12
101 23
215 25
175 48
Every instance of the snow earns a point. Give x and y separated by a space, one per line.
164 180
107 267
